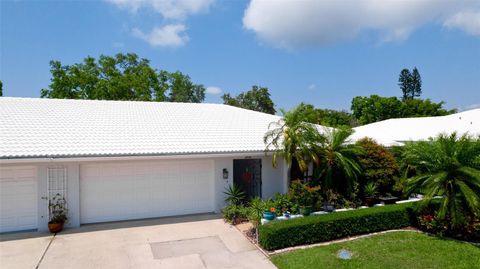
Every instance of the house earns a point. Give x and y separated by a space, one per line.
117 160
395 132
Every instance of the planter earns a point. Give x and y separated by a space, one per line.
329 207
55 227
389 200
306 211
370 201
268 215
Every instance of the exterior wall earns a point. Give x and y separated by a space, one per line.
273 180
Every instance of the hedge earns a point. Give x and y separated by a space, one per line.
320 228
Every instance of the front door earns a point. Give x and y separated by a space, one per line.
247 175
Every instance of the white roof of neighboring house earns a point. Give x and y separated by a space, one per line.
33 127
396 131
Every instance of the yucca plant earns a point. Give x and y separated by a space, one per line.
447 166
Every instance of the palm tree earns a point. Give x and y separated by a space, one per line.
339 167
447 166
292 137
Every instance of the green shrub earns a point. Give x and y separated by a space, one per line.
314 229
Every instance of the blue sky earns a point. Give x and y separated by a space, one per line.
321 53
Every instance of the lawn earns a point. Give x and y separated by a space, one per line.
391 250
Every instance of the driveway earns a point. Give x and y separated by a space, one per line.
202 241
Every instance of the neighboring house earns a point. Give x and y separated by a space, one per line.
394 132
117 160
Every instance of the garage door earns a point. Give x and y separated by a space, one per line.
18 199
135 190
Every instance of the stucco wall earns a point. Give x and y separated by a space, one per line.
273 180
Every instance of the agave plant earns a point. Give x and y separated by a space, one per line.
447 166
370 189
292 137
234 195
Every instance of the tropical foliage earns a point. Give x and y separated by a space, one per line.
338 168
447 166
293 138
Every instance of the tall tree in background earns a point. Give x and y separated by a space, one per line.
416 83
410 83
1 88
258 99
122 77
405 83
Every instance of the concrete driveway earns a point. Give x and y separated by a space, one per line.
202 241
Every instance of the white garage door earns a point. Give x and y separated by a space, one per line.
18 199
135 190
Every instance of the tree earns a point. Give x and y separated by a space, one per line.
410 83
122 77
1 88
378 164
338 167
424 108
258 99
181 89
447 166
376 108
405 83
293 138
335 118
416 83
327 117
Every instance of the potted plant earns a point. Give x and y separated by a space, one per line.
269 215
58 213
370 191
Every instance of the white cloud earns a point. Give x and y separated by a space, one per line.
171 35
468 21
310 23
214 90
169 9
312 86
175 12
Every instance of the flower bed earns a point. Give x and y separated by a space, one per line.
326 227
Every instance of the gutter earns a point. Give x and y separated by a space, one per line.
121 157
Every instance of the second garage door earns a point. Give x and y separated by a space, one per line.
146 189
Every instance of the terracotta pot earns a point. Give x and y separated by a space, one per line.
55 227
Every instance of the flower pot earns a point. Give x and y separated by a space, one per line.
370 201
55 227
305 211
268 215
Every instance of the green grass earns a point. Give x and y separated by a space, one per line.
391 250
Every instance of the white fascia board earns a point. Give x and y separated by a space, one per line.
133 158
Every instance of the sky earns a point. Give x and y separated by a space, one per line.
323 52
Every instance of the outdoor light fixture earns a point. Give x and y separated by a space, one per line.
225 173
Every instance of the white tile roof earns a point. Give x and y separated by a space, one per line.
397 131
31 127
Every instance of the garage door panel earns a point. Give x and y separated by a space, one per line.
18 199
133 190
